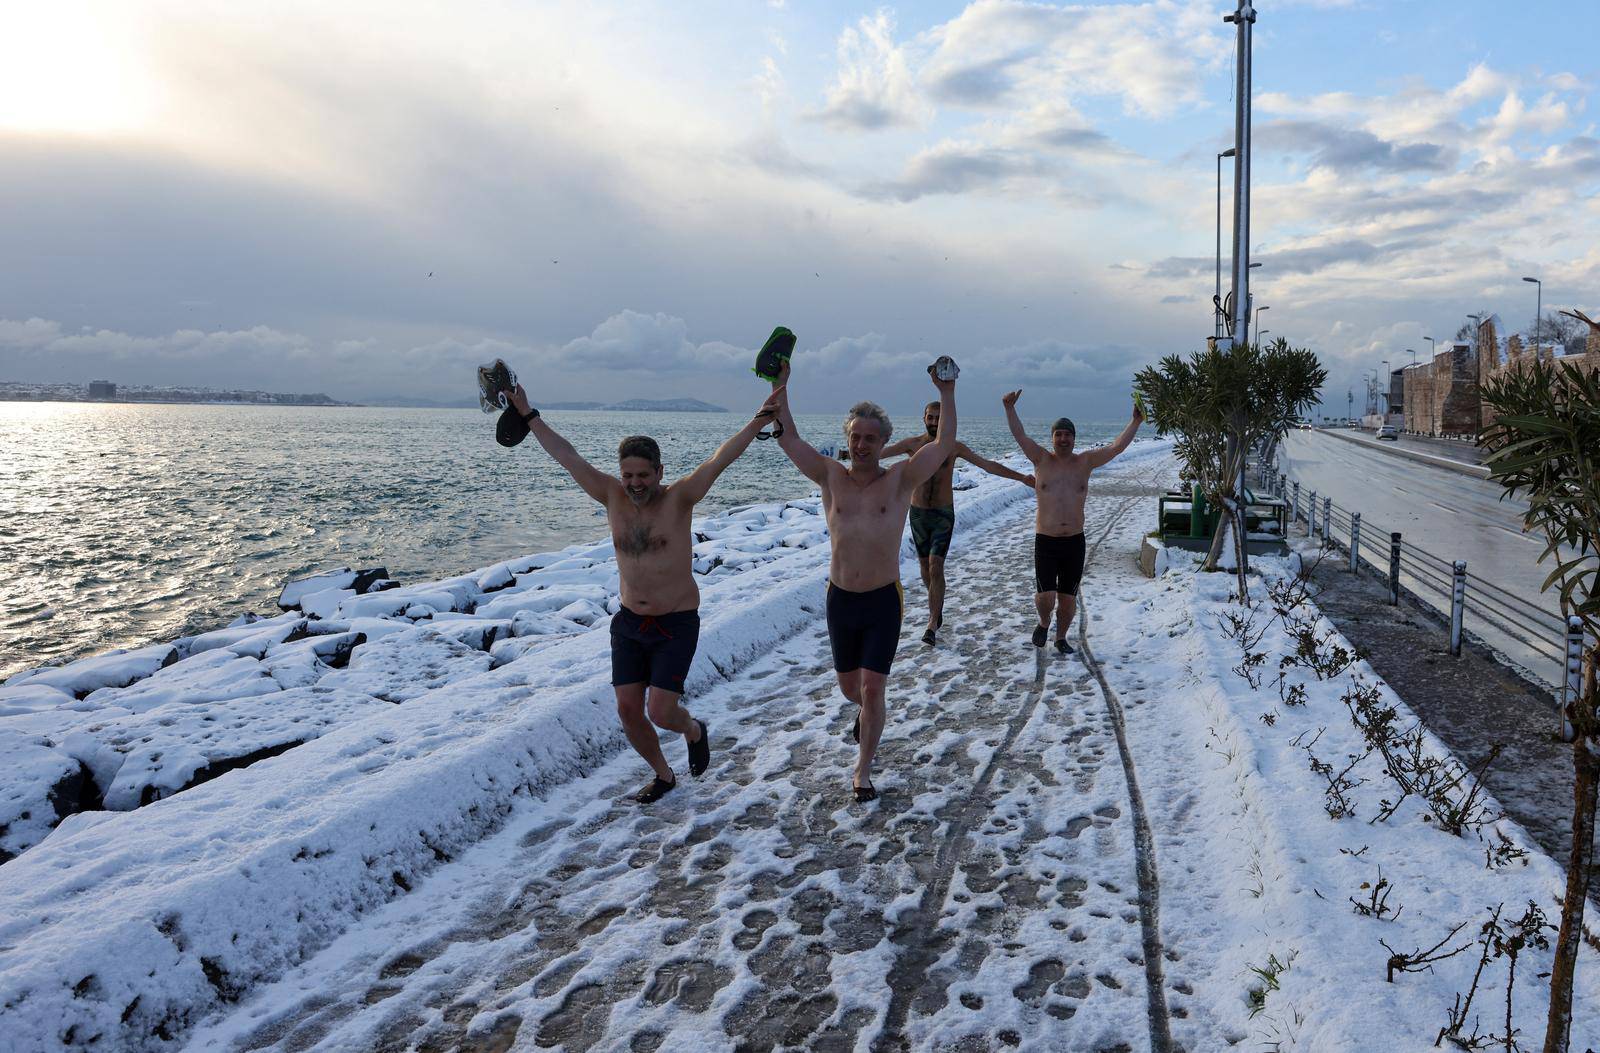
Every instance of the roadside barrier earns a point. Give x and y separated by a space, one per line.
1446 586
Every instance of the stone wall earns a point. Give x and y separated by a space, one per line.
1589 362
1441 397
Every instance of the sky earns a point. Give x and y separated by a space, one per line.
622 199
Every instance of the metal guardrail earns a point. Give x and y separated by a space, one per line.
1448 586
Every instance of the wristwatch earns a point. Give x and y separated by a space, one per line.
528 417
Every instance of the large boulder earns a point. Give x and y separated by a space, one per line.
39 786
112 669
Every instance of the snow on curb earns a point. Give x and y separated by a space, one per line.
124 929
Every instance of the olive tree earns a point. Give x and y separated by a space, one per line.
1219 404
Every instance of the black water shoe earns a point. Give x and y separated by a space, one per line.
1039 634
657 789
700 751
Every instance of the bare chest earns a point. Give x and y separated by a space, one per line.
639 535
863 507
1063 481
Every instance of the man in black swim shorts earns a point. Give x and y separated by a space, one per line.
866 507
1058 543
653 636
933 512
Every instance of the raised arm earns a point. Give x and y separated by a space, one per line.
1030 449
812 464
927 460
1103 454
595 483
904 447
964 452
697 484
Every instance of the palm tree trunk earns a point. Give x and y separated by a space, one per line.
1586 770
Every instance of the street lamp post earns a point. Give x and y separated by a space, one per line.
1217 299
1243 19
1258 320
1538 314
1383 390
1433 347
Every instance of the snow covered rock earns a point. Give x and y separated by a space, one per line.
302 663
143 757
210 676
250 638
406 665
31 698
357 581
112 669
42 785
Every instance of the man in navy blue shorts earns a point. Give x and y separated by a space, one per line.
653 636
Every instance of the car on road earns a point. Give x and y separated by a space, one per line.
1389 431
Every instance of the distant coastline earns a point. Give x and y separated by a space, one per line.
15 391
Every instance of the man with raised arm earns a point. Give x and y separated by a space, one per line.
1058 542
933 511
865 504
653 636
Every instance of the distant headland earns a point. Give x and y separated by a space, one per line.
643 406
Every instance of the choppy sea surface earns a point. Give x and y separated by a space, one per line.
125 524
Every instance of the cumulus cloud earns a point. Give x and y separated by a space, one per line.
873 88
1351 149
1150 55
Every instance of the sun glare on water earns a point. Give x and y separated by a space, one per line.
73 68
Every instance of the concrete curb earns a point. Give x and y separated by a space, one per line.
1477 471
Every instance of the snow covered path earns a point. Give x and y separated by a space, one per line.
990 898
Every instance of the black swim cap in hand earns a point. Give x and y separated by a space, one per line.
511 428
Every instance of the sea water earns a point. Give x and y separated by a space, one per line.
123 524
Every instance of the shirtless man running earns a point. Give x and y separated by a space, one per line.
933 511
865 505
1058 544
653 636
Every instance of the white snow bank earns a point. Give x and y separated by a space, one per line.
202 895
1280 874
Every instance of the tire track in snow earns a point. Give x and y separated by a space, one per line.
1143 842
911 967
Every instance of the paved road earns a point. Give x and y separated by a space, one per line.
1455 449
1450 515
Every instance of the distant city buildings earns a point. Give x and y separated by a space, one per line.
102 389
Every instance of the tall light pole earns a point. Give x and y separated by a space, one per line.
1383 389
1217 300
1349 405
1538 314
1433 347
1258 321
1243 19
1413 353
